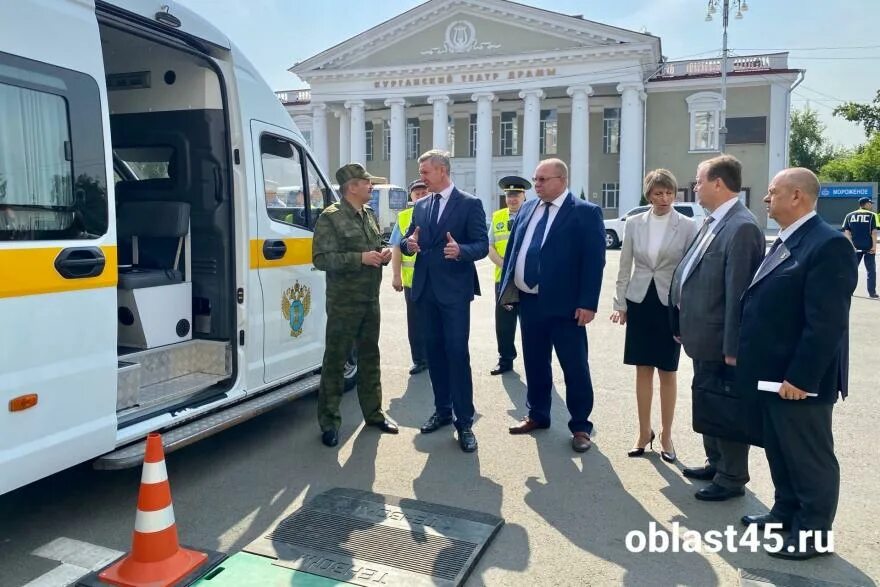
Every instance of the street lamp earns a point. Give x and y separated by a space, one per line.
712 7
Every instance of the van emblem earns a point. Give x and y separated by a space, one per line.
296 303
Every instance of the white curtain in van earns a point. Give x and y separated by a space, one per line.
33 168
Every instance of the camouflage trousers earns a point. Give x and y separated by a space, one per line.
350 325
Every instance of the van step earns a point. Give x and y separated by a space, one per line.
173 389
173 360
209 424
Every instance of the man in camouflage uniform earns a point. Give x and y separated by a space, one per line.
348 246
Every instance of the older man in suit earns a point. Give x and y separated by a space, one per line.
553 269
448 231
704 295
793 352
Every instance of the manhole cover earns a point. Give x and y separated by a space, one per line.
371 539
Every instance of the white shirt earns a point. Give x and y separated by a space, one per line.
785 233
717 215
537 213
657 227
444 199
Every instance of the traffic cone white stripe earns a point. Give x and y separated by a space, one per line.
154 473
155 521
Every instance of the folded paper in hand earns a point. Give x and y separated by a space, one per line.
773 387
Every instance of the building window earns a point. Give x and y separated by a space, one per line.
509 134
549 132
386 140
368 133
704 109
450 135
472 136
413 138
610 195
611 130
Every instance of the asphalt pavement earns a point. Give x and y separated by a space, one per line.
567 515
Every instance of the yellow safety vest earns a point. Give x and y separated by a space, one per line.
501 232
407 262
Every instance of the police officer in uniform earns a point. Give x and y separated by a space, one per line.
860 226
402 266
502 220
348 245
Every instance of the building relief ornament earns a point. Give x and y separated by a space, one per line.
461 37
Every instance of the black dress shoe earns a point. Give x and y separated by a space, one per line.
435 422
387 426
501 368
418 368
706 473
466 440
792 549
713 492
762 520
330 437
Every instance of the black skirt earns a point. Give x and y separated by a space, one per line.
649 339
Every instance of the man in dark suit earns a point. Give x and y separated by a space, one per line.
448 231
704 302
793 352
553 270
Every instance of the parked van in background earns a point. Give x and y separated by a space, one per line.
147 281
387 201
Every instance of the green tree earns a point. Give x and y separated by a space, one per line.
861 164
808 146
868 115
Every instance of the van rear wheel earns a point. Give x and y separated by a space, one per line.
611 240
350 371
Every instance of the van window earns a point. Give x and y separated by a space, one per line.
685 210
283 175
52 172
147 162
397 199
320 195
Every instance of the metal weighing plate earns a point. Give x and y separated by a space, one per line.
767 578
371 539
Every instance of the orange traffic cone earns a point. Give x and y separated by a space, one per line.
156 558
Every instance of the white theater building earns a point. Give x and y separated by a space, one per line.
502 85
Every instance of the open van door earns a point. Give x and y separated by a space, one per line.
293 194
57 245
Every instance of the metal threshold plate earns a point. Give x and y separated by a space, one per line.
768 578
371 539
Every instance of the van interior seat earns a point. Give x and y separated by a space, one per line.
156 231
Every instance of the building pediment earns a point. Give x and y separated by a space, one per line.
443 31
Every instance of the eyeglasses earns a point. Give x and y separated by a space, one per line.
543 179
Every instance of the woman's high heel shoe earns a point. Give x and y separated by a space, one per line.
637 452
669 457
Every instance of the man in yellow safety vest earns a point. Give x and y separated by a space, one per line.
505 316
402 269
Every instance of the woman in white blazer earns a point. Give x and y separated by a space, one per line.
654 243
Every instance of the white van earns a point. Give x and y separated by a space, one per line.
146 281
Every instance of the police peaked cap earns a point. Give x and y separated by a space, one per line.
514 183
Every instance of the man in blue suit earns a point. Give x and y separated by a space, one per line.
793 353
448 231
553 270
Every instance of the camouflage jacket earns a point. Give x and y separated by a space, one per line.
341 235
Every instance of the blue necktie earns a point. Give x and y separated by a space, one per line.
435 210
532 269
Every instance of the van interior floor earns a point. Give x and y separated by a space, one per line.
165 375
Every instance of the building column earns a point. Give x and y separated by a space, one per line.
632 145
440 122
777 131
484 188
358 131
344 136
579 180
397 123
531 133
319 134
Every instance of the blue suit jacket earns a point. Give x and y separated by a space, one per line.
795 315
572 257
450 281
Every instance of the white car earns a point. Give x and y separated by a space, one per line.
614 226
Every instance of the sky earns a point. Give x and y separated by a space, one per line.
835 42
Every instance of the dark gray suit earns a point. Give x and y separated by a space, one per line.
705 306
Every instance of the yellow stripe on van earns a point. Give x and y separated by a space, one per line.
299 252
27 272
